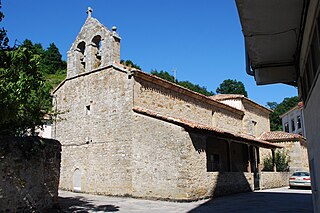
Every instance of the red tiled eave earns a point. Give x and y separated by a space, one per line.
281 136
242 138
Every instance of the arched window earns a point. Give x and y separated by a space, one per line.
77 180
81 49
96 43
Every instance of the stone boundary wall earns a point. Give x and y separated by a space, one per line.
30 170
274 179
232 182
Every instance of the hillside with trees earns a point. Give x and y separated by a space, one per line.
24 93
51 64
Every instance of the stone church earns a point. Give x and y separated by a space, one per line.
125 132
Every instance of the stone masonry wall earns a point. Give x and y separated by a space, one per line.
261 117
95 130
158 158
170 163
83 58
168 102
296 151
109 149
30 169
200 183
274 179
298 154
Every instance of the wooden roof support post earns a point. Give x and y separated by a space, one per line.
273 161
229 155
258 159
249 159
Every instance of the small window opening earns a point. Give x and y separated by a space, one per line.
286 127
88 110
96 41
299 122
81 49
213 119
293 126
251 127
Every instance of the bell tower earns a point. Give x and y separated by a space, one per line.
94 47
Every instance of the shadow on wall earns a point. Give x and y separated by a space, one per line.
30 170
220 159
80 204
230 183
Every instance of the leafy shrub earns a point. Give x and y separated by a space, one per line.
281 162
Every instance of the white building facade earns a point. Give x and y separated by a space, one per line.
292 120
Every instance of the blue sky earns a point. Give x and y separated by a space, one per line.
201 39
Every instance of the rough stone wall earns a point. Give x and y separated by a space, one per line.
269 180
297 152
261 117
169 102
264 153
158 158
199 183
30 170
89 53
105 168
170 163
95 130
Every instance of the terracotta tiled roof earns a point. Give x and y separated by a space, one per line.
196 126
301 104
280 136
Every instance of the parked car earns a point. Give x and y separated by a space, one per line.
300 179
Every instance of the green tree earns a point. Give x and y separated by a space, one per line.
272 105
232 87
24 96
279 109
34 48
129 63
195 87
164 75
3 33
50 63
186 84
52 60
281 161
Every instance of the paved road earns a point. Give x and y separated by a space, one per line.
273 200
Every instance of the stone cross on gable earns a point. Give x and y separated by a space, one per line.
89 12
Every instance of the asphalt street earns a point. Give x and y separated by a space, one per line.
272 200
